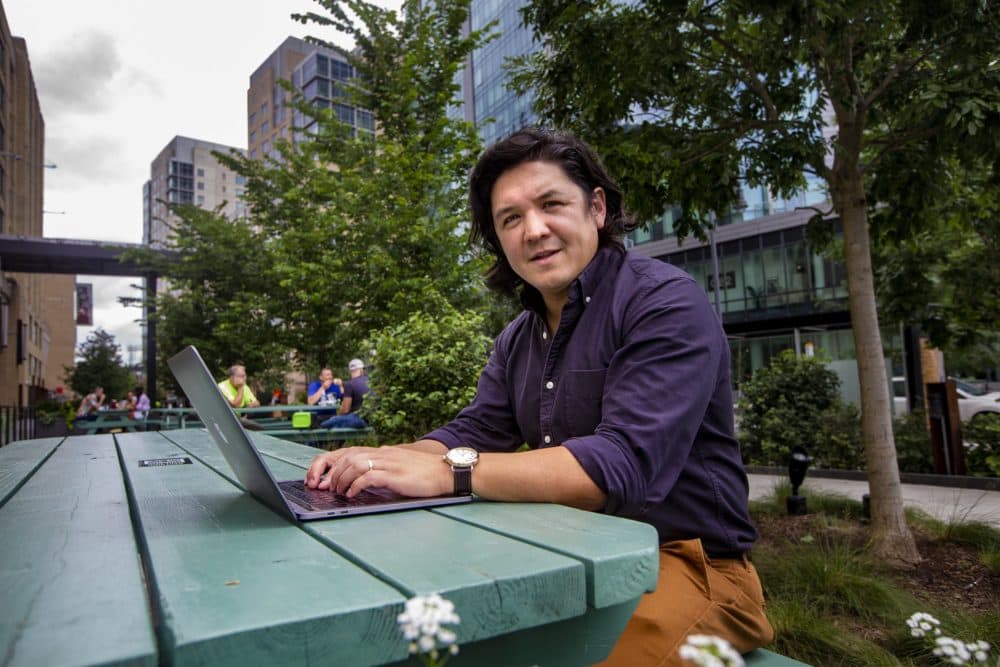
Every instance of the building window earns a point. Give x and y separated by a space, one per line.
265 127
201 200
201 172
201 185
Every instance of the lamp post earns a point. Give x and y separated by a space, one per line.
797 466
46 165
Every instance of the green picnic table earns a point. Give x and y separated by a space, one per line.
104 562
106 420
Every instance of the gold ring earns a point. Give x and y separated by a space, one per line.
371 466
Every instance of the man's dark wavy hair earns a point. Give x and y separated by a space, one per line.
580 163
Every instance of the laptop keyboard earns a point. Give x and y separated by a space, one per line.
317 499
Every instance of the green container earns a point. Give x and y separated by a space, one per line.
301 419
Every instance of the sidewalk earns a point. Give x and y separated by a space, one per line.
941 502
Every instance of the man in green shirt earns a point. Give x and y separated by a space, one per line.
235 388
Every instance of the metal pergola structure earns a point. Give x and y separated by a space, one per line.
25 254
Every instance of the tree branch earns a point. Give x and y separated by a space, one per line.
753 80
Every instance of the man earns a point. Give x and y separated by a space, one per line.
616 375
355 390
327 390
235 388
91 403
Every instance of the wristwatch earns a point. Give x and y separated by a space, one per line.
462 460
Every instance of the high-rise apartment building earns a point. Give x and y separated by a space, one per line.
775 291
37 331
318 73
187 172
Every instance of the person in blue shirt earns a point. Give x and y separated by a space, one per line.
327 390
355 391
616 376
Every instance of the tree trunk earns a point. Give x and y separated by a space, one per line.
891 537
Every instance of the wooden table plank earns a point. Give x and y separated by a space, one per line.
614 575
498 584
70 578
20 460
239 584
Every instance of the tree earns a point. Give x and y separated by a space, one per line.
684 99
100 364
357 246
218 285
942 274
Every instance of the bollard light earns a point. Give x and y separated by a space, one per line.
797 466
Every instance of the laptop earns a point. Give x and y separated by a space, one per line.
291 498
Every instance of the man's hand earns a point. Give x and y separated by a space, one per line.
406 471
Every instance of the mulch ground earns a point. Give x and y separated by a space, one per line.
951 575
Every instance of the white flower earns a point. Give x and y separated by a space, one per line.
421 624
710 651
921 623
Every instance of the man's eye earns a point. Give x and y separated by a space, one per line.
551 204
509 220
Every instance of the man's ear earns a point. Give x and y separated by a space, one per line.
599 207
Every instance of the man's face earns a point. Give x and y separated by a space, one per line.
547 226
239 377
326 375
99 391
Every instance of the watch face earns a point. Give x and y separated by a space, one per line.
462 456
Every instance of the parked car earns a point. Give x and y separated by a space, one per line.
972 401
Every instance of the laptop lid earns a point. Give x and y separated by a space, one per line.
241 454
225 428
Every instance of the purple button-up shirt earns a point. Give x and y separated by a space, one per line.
635 384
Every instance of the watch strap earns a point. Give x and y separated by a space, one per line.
463 480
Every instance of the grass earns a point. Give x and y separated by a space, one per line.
831 604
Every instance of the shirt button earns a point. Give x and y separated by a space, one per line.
545 335
547 439
550 384
586 299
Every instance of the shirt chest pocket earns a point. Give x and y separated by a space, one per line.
583 393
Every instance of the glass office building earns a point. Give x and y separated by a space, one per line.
494 109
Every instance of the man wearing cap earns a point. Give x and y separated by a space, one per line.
352 399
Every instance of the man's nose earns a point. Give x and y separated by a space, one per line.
535 225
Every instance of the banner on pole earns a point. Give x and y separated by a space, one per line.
85 304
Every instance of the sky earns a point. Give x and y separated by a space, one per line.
116 81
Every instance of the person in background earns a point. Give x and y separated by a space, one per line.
236 390
355 391
327 390
141 403
91 403
616 376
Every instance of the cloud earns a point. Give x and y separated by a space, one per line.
76 77
83 158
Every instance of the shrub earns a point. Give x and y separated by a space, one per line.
796 401
913 443
982 436
424 370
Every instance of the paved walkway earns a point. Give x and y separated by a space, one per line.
945 503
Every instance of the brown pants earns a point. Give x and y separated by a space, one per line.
694 595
